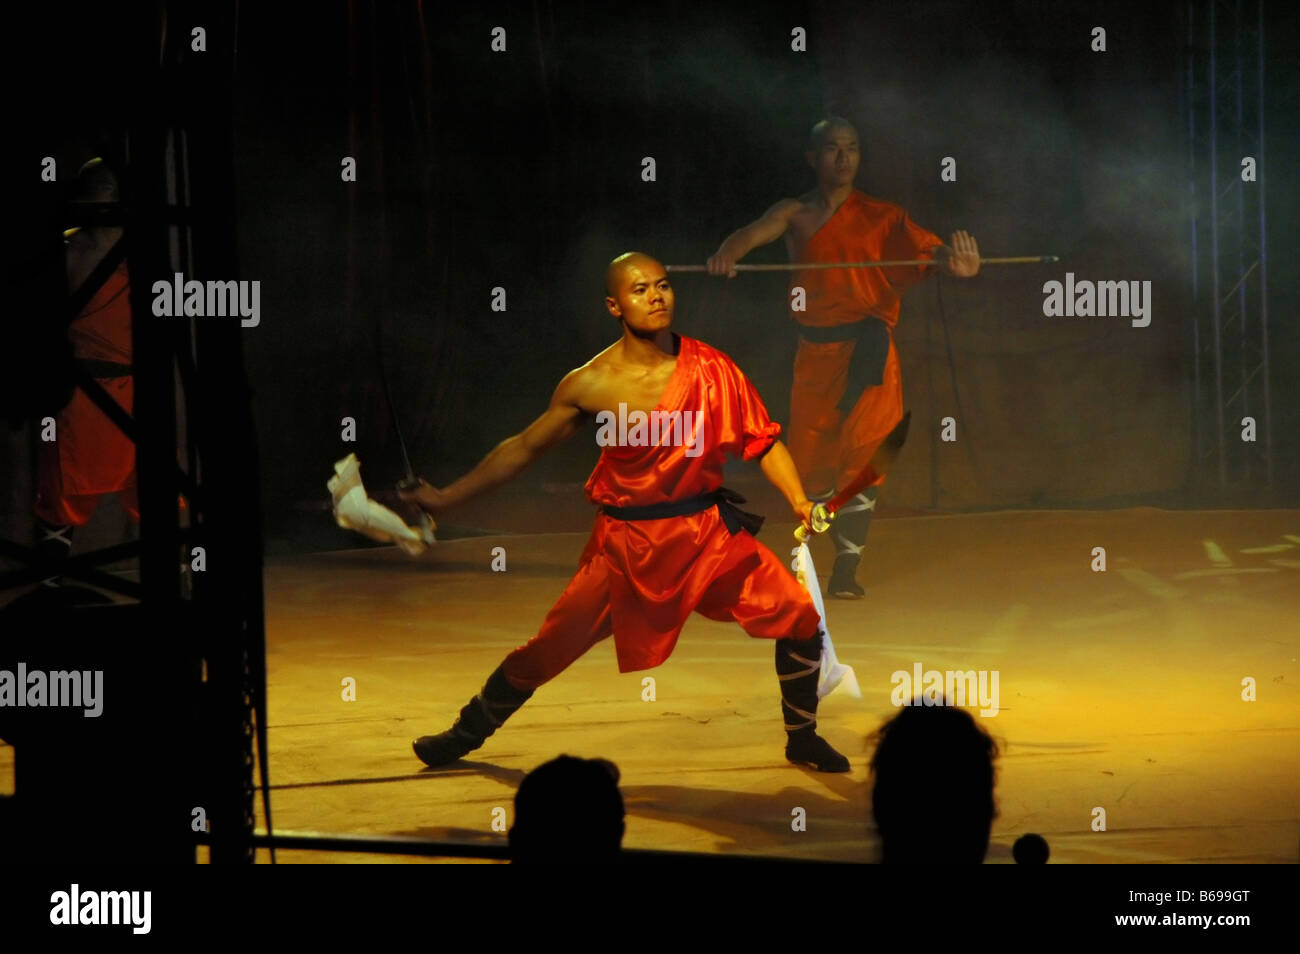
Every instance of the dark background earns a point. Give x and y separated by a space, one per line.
522 170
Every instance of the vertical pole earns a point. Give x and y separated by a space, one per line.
1263 266
1197 409
1216 326
1240 186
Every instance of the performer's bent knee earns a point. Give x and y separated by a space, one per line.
816 631
525 673
540 660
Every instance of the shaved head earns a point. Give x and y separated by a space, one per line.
825 128
95 182
639 294
618 268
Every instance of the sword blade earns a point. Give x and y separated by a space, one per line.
388 399
881 461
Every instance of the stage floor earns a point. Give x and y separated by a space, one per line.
1119 689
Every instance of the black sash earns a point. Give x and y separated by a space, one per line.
867 363
105 369
96 279
722 498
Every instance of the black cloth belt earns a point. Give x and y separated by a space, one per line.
105 369
722 498
867 363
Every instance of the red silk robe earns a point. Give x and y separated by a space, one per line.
91 456
829 447
641 579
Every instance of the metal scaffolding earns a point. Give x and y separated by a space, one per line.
1224 101
186 659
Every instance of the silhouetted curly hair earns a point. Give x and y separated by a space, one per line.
932 792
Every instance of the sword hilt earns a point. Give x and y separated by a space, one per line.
821 520
411 482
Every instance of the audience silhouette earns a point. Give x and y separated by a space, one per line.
568 810
932 793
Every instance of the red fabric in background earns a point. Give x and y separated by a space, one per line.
91 456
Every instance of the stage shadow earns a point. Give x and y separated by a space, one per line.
740 820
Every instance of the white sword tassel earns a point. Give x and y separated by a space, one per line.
354 510
834 674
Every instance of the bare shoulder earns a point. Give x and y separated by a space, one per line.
809 200
784 209
805 212
577 387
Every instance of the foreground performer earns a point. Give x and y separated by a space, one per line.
848 388
91 457
668 539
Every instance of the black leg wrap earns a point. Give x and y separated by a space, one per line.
480 717
798 667
52 550
851 525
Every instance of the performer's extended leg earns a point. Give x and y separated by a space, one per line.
851 524
577 621
766 600
870 420
480 717
798 666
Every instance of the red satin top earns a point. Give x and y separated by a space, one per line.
659 569
862 229
94 456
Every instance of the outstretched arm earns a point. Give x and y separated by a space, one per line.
741 242
512 455
778 467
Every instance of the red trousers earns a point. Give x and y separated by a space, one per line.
829 448
759 594
89 459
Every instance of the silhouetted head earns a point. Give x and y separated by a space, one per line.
95 182
638 292
568 809
1031 849
932 796
833 152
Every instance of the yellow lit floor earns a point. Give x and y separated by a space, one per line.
1119 689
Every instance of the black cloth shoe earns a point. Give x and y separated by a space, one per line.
806 747
438 750
481 716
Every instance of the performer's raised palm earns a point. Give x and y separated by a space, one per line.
963 258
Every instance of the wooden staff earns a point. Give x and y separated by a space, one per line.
801 266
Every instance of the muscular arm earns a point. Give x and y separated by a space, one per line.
770 227
509 458
778 467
